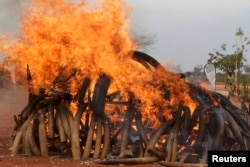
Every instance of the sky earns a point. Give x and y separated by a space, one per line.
9 16
187 30
184 31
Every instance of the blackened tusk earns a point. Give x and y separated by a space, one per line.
126 127
175 131
154 152
204 155
51 119
156 136
30 107
144 58
201 130
195 116
235 129
30 85
219 130
234 111
139 126
82 92
99 95
184 131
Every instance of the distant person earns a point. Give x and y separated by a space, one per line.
197 80
230 84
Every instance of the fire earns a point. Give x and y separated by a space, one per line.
61 39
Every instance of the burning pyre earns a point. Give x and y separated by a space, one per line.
92 96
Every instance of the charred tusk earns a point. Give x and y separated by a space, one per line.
126 126
235 129
219 130
201 131
156 136
139 126
184 131
51 120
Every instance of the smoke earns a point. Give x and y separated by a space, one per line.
9 16
13 98
171 66
12 101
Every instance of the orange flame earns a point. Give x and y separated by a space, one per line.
59 37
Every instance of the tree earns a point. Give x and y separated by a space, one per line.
227 62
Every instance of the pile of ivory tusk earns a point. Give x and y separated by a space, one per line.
47 127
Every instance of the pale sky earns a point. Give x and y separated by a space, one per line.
185 30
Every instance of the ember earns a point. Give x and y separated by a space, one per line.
91 95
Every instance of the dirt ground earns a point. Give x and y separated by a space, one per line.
11 102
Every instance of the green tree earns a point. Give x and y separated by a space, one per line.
231 62
227 62
234 61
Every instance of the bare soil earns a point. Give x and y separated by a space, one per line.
11 102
